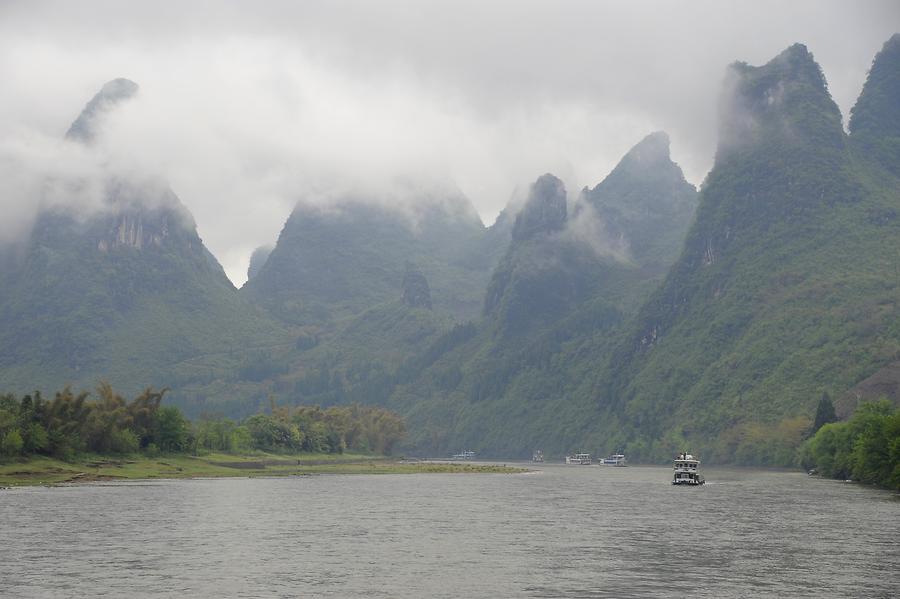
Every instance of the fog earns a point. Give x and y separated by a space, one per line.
247 109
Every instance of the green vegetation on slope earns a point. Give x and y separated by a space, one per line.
786 288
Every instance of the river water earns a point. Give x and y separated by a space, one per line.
562 531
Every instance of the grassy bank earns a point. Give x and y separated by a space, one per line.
41 470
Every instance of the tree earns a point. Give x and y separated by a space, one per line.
11 445
173 429
824 413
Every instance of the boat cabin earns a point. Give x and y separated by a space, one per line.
616 459
686 470
579 459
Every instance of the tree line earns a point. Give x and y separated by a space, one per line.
72 423
865 448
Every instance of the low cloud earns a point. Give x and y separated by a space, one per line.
247 110
585 226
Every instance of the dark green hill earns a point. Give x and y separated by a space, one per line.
787 286
336 262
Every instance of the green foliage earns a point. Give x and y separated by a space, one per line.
11 443
70 423
865 448
824 413
356 428
111 425
173 430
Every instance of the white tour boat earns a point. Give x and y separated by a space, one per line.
579 459
464 455
686 467
616 459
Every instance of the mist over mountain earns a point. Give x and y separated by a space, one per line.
644 205
124 291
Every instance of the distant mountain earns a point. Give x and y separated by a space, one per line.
784 288
336 261
128 293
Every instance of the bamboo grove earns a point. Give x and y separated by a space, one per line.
73 423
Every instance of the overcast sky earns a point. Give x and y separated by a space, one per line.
246 107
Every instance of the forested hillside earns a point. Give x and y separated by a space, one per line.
787 286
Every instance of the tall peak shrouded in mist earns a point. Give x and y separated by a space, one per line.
123 292
785 101
544 211
875 119
645 205
650 152
112 93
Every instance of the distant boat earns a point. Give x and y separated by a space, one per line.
464 455
537 456
579 459
686 467
616 459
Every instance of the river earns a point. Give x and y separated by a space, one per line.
561 531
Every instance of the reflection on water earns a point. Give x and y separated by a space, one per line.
560 532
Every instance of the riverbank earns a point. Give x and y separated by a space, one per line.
40 470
